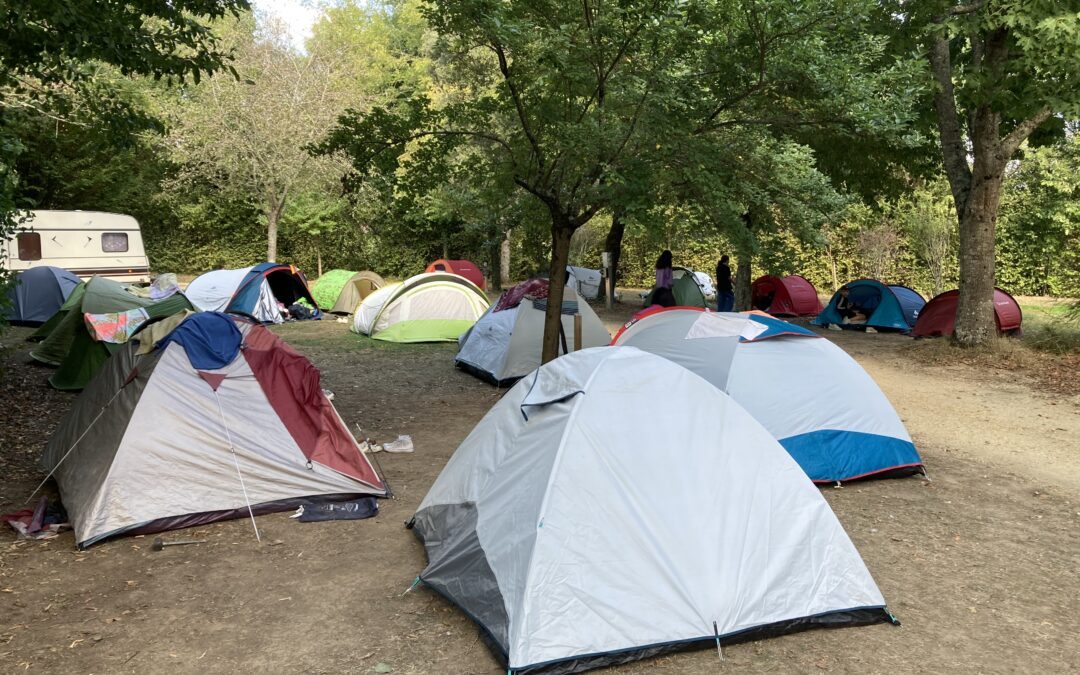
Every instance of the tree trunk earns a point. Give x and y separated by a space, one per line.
613 245
975 323
976 191
742 283
272 218
832 269
504 261
743 268
561 232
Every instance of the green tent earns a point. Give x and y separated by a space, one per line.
340 291
74 300
687 292
69 347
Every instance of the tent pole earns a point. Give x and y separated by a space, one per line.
75 444
236 463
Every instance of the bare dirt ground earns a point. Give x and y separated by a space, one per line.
982 564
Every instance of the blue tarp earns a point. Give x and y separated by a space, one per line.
211 340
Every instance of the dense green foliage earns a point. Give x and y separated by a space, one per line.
816 138
67 62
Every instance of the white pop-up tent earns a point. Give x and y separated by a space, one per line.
254 292
585 281
429 307
579 535
506 343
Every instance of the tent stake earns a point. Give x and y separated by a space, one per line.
236 463
716 634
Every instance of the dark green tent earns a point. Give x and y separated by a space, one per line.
687 292
68 345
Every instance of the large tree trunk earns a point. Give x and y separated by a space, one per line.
613 245
742 282
504 261
561 232
976 190
273 216
975 323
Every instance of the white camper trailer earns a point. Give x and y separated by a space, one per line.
87 243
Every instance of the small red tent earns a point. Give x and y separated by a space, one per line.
462 268
938 317
791 295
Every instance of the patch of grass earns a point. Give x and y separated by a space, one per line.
1054 329
336 336
1048 354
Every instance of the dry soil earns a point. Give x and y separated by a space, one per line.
981 564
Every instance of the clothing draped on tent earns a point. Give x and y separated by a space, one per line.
69 346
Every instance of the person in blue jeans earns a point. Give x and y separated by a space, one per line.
725 293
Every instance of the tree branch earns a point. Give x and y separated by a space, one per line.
1011 143
953 149
504 68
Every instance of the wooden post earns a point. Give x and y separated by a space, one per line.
609 279
577 332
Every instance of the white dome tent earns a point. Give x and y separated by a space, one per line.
506 343
817 401
575 541
588 283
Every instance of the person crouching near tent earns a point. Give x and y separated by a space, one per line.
851 311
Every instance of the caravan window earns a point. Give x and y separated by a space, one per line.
114 242
29 246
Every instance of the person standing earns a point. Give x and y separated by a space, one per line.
664 272
725 292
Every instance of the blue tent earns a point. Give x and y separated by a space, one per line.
881 304
38 293
910 302
287 284
256 292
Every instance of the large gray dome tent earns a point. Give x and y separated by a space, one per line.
576 540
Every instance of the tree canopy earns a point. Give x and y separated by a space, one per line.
810 137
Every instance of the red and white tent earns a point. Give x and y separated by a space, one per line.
221 417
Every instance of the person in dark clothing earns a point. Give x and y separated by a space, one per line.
850 311
664 297
725 293
664 272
